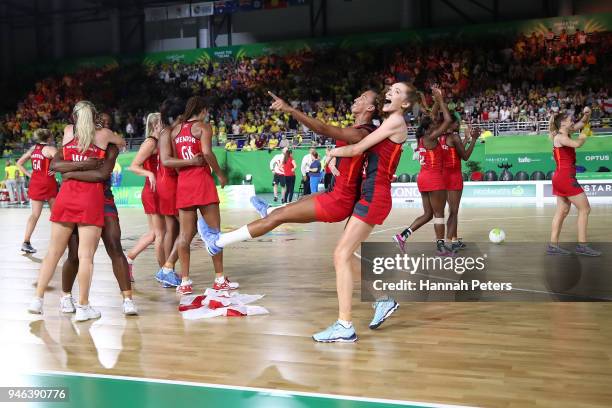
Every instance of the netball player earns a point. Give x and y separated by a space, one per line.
454 150
564 183
43 186
382 149
333 206
167 178
430 181
145 164
196 188
78 204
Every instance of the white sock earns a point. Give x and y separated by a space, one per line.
166 270
270 209
239 235
220 279
346 324
185 281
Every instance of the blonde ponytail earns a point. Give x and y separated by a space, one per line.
152 120
84 115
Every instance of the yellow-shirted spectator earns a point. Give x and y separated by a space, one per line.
272 143
231 146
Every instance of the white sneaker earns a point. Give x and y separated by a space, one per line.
86 312
36 306
129 307
67 304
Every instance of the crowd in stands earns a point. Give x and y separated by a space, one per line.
493 80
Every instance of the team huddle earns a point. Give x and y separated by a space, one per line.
178 163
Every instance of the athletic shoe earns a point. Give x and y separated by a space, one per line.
461 244
131 275
556 250
28 248
336 333
210 237
383 308
171 280
275 199
226 285
86 312
401 242
443 250
185 288
67 304
586 250
159 276
36 306
129 307
260 205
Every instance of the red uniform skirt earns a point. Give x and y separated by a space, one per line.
42 188
564 183
453 179
166 194
79 202
333 206
195 187
430 181
149 200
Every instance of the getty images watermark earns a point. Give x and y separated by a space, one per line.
424 265
482 272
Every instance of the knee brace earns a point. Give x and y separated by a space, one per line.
438 220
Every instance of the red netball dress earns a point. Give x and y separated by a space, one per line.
431 176
80 202
150 199
195 186
451 166
43 185
564 181
337 204
375 202
166 188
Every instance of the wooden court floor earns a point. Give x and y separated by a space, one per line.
482 354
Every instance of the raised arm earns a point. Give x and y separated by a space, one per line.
586 116
349 135
393 125
209 155
459 146
26 156
565 140
166 153
437 94
100 174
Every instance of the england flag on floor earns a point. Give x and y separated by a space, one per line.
215 303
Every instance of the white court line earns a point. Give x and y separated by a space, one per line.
494 219
268 391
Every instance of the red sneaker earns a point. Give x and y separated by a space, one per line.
225 285
185 288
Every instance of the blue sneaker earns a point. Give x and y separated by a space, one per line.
171 279
383 308
336 333
159 276
260 205
209 236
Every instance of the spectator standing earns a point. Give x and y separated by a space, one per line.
288 165
20 186
327 178
10 171
314 173
278 176
305 170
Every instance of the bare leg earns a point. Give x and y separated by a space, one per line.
111 236
584 209
438 202
212 217
37 207
453 198
187 221
563 209
71 265
354 234
145 240
159 229
89 236
427 213
172 229
60 235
